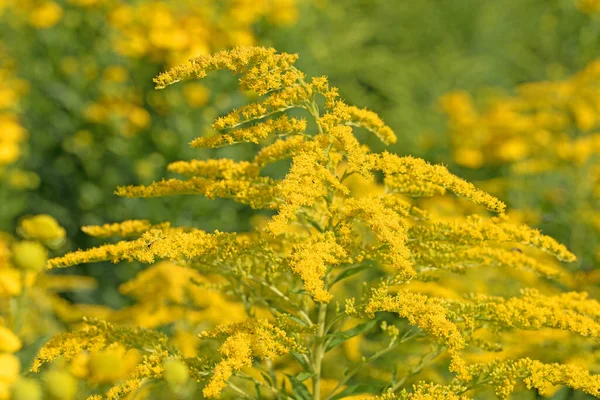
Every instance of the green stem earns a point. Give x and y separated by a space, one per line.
279 293
426 359
319 351
358 367
239 391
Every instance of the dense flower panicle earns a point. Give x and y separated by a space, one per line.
239 61
535 374
388 227
534 311
134 227
421 171
343 114
426 391
359 159
429 314
237 350
258 193
533 124
94 336
292 97
307 181
223 168
457 258
172 244
310 259
121 356
244 341
281 149
475 229
255 133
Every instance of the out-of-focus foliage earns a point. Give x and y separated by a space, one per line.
399 57
541 146
13 137
31 305
88 66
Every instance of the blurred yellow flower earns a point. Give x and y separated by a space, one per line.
45 15
60 385
9 342
42 227
196 94
29 255
10 366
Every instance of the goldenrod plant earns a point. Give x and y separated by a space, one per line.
331 291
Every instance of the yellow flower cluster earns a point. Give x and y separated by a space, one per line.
255 133
14 135
589 6
310 259
133 227
532 127
101 352
389 228
429 314
170 32
171 244
243 341
475 229
248 61
426 391
505 375
534 311
31 307
168 293
419 172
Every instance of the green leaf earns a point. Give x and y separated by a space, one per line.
301 361
352 271
267 378
357 389
300 391
340 337
302 376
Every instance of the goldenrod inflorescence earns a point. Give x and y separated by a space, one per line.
345 254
